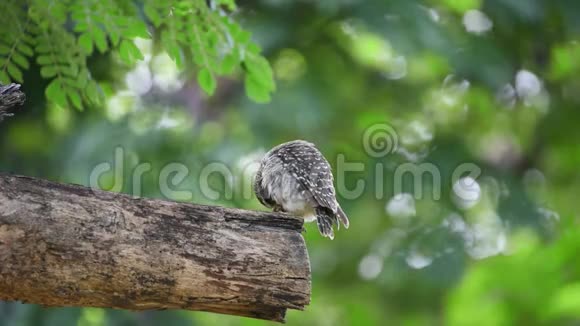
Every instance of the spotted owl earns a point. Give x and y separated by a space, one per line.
295 178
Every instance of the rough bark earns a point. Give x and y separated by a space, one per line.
67 245
10 97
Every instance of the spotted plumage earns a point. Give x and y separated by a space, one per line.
294 177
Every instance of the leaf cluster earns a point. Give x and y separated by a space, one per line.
60 35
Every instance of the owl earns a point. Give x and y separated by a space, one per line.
295 178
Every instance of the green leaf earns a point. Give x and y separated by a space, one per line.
260 71
75 98
20 60
233 28
129 52
68 82
15 72
86 43
153 15
198 58
174 52
83 78
253 48
25 49
4 49
4 79
206 81
183 8
211 39
43 47
44 60
172 47
137 28
80 26
58 11
100 39
229 4
71 70
115 37
55 93
255 90
92 93
243 37
229 63
48 71
27 38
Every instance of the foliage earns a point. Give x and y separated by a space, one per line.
533 276
61 35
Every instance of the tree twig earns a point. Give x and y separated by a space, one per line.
10 97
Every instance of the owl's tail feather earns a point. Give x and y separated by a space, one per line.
325 218
342 216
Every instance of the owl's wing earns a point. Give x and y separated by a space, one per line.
321 177
312 171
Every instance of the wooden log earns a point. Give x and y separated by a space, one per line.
68 245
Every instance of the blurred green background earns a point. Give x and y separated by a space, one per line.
495 83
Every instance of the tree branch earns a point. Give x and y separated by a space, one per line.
67 245
10 96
